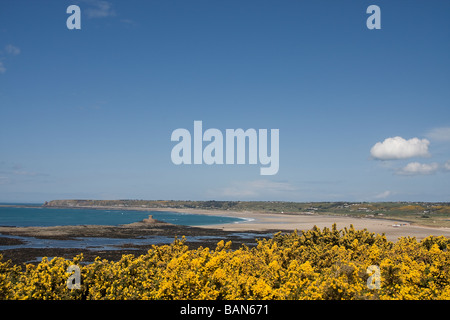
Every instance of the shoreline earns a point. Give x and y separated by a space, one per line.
256 224
136 238
264 221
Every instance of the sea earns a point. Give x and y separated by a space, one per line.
26 215
34 215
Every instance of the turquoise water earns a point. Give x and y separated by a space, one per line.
39 216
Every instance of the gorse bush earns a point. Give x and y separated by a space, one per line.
313 264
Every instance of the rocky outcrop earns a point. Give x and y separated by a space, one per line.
150 220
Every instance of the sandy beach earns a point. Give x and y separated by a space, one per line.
262 221
256 224
259 221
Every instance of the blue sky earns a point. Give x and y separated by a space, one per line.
89 113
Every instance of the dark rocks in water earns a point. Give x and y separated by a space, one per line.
131 231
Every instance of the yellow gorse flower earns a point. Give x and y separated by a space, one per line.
312 264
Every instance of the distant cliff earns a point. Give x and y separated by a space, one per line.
142 204
260 206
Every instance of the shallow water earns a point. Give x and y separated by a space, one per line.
94 243
39 216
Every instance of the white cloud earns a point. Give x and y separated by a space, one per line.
9 50
447 165
439 134
25 173
256 188
383 195
400 148
13 50
4 180
128 22
416 168
99 9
